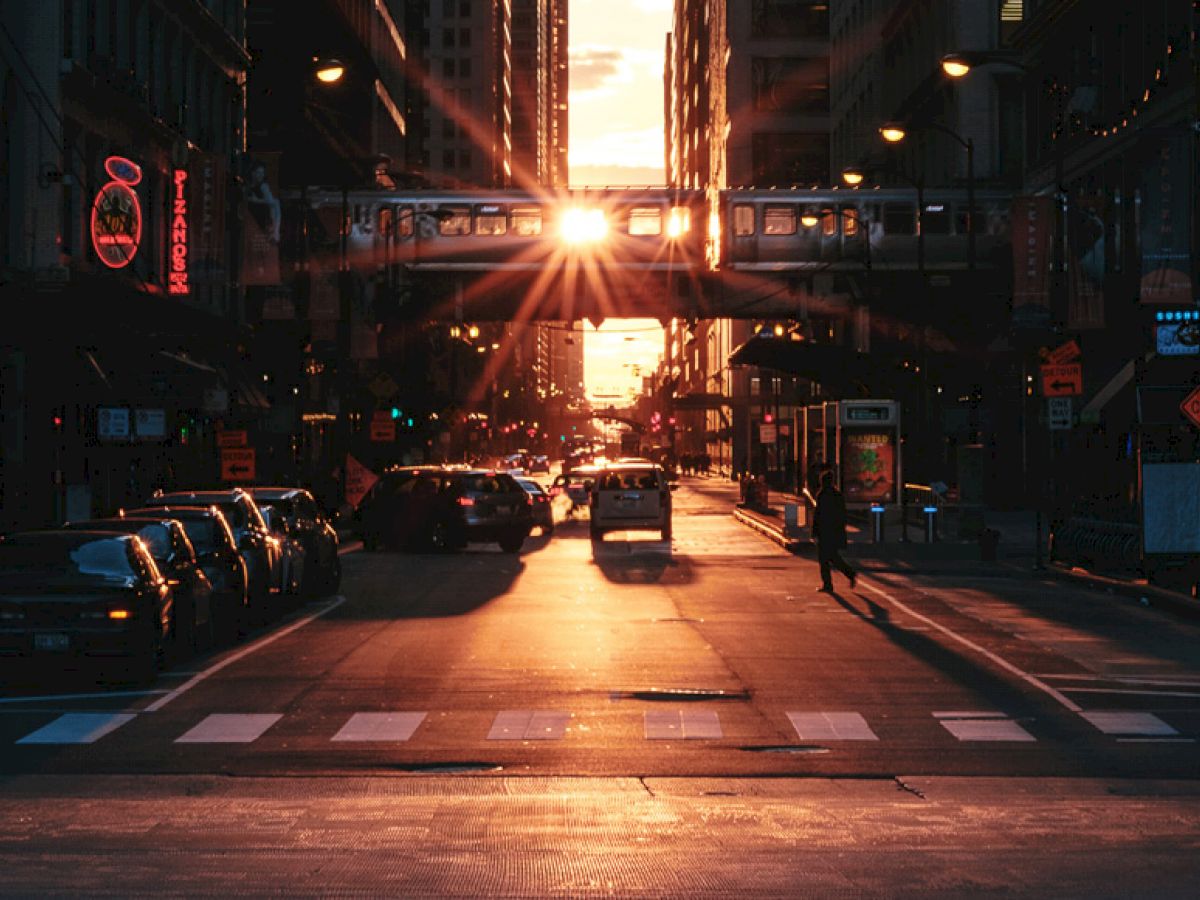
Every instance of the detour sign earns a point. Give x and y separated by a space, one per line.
359 480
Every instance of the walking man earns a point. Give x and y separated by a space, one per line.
829 530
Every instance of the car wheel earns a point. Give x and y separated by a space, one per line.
512 543
666 533
441 538
595 533
548 529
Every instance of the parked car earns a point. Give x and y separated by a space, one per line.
176 559
217 553
543 510
306 522
260 549
633 495
72 594
292 554
446 508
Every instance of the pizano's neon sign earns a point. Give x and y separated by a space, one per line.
117 215
177 277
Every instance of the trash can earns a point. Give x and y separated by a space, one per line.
989 538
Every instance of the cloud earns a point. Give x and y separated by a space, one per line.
592 68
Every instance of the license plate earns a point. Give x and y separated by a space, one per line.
503 510
628 501
51 642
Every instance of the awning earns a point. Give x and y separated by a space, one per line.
837 369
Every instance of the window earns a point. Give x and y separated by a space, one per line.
464 8
899 218
448 159
935 219
456 222
449 131
385 225
526 221
790 84
789 19
464 159
464 68
404 221
743 220
447 37
828 222
464 37
645 220
448 67
779 220
490 220
849 221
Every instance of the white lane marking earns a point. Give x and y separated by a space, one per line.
687 725
99 695
388 726
966 642
990 729
241 654
77 728
969 714
229 728
1123 722
831 726
1083 690
529 725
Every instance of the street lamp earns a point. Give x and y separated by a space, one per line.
895 132
328 70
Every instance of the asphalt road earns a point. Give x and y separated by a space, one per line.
445 708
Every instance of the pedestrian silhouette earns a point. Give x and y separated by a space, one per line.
829 530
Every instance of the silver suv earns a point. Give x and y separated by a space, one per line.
631 496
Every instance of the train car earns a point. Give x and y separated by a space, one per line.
813 230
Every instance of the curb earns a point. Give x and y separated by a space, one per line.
762 528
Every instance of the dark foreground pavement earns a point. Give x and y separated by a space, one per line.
493 836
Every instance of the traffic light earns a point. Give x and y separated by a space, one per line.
768 418
671 421
397 412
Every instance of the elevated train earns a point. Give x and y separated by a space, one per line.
661 229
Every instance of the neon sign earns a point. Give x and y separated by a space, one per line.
117 215
177 278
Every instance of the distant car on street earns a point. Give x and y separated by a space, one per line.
632 495
539 464
543 510
575 486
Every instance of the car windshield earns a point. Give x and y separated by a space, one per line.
532 486
72 556
486 484
282 507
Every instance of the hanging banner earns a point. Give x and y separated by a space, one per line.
1166 223
261 220
1087 229
1032 217
206 193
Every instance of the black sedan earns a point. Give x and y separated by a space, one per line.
306 522
66 595
218 556
175 557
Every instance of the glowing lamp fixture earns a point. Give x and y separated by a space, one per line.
893 132
584 226
778 330
955 65
853 176
329 71
808 218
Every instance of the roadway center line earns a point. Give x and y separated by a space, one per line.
966 642
241 654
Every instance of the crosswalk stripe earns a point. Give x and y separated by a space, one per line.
1142 723
77 728
688 725
982 726
229 728
390 726
529 725
831 726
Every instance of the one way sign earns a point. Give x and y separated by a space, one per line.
237 464
1062 380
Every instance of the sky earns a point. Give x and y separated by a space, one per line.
616 137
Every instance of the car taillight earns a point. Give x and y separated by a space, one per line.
529 499
466 501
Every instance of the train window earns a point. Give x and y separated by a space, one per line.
404 221
829 222
385 222
526 221
645 220
935 218
899 218
743 220
457 220
779 220
490 220
849 221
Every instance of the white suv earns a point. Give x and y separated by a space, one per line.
631 496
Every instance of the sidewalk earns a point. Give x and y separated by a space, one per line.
950 555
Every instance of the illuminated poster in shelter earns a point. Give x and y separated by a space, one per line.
868 464
261 220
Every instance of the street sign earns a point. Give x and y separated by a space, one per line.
231 438
1062 380
150 424
1059 414
383 426
112 423
766 434
237 464
1068 352
1191 407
